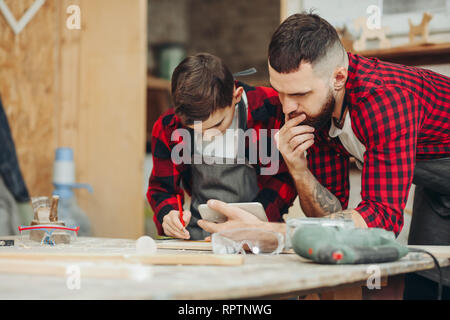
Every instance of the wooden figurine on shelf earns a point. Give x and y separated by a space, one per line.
420 30
369 34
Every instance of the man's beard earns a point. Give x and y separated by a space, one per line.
324 117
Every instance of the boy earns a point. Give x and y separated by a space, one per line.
211 106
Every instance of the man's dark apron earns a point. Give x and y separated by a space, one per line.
226 182
430 224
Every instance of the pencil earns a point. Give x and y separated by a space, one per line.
180 207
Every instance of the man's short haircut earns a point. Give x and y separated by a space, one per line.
201 85
303 37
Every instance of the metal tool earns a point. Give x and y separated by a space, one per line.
245 72
50 234
6 243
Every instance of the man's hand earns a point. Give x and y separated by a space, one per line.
172 225
237 218
292 141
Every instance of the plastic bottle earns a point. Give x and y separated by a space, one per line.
64 183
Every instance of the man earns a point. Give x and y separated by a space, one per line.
394 120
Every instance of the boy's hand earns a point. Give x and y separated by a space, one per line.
172 225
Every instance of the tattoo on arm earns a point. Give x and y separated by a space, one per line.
327 201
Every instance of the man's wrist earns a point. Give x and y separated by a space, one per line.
300 175
350 214
275 227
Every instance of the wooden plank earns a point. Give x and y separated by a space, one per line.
437 251
427 53
177 244
184 245
112 119
283 10
158 83
260 276
189 259
27 67
424 48
391 289
159 259
68 80
351 293
83 89
106 270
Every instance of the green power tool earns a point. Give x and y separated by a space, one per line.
336 245
329 241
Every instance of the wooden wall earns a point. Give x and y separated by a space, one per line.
83 89
27 88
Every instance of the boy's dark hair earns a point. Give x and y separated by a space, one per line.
201 85
301 37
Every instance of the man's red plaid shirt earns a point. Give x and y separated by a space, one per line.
401 115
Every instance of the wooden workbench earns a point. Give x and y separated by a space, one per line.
260 276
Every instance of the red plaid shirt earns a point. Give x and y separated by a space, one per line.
399 114
276 192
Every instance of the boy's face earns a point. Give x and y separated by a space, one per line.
219 121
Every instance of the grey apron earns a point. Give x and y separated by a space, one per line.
236 182
430 224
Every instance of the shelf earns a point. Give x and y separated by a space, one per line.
413 55
158 83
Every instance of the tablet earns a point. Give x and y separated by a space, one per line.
254 208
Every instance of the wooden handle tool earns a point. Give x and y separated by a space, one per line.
54 209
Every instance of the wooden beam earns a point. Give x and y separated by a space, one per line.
68 80
350 293
84 89
158 83
427 53
283 10
184 245
28 65
112 115
87 270
160 259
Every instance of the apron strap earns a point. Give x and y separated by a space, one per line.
242 115
192 135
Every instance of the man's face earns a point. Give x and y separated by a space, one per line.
302 91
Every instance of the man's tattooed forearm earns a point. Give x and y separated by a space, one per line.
327 201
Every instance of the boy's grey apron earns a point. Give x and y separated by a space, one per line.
226 182
430 224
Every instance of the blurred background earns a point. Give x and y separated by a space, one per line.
97 88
